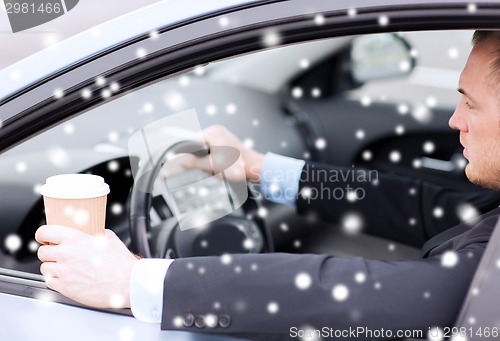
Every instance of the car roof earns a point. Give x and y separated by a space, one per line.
104 37
119 31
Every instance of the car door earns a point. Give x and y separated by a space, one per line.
96 94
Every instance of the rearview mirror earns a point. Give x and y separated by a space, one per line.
380 56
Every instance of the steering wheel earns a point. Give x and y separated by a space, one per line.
245 232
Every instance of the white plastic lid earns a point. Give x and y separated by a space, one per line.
74 186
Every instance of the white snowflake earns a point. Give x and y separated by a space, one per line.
319 19
467 212
237 269
69 128
412 221
340 292
58 157
114 87
117 208
271 38
383 20
422 114
211 110
37 188
304 63
377 285
81 217
200 70
13 242
352 12
472 320
141 52
255 123
106 93
366 101
174 100
352 223
360 277
404 66
449 259
249 143
284 227
154 35
33 246
147 108
58 93
360 134
224 22
21 167
273 308
320 143
403 109
367 155
303 281
475 291
116 300
453 53
438 212
297 92
100 81
297 243
417 163
316 92
400 130
431 101
471 8
231 109
427 295
177 321
86 93
113 136
395 156
201 270
184 81
226 259
429 147
391 247
254 267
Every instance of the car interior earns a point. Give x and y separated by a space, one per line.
339 101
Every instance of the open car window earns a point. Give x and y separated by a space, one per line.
297 100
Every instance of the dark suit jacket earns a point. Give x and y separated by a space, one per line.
395 295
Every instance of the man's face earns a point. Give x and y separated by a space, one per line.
477 116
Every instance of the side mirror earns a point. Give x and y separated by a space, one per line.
380 56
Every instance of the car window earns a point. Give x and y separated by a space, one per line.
288 100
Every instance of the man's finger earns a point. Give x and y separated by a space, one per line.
54 234
48 253
50 271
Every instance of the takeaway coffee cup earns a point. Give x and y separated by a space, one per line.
76 200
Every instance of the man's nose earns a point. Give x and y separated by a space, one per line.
457 121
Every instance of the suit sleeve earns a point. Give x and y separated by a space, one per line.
266 296
393 207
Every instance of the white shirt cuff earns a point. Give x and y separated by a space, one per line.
146 289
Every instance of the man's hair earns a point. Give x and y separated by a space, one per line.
493 37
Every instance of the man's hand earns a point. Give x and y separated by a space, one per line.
91 270
218 135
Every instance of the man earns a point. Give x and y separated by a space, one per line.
280 295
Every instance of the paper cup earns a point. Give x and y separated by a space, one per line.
76 200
